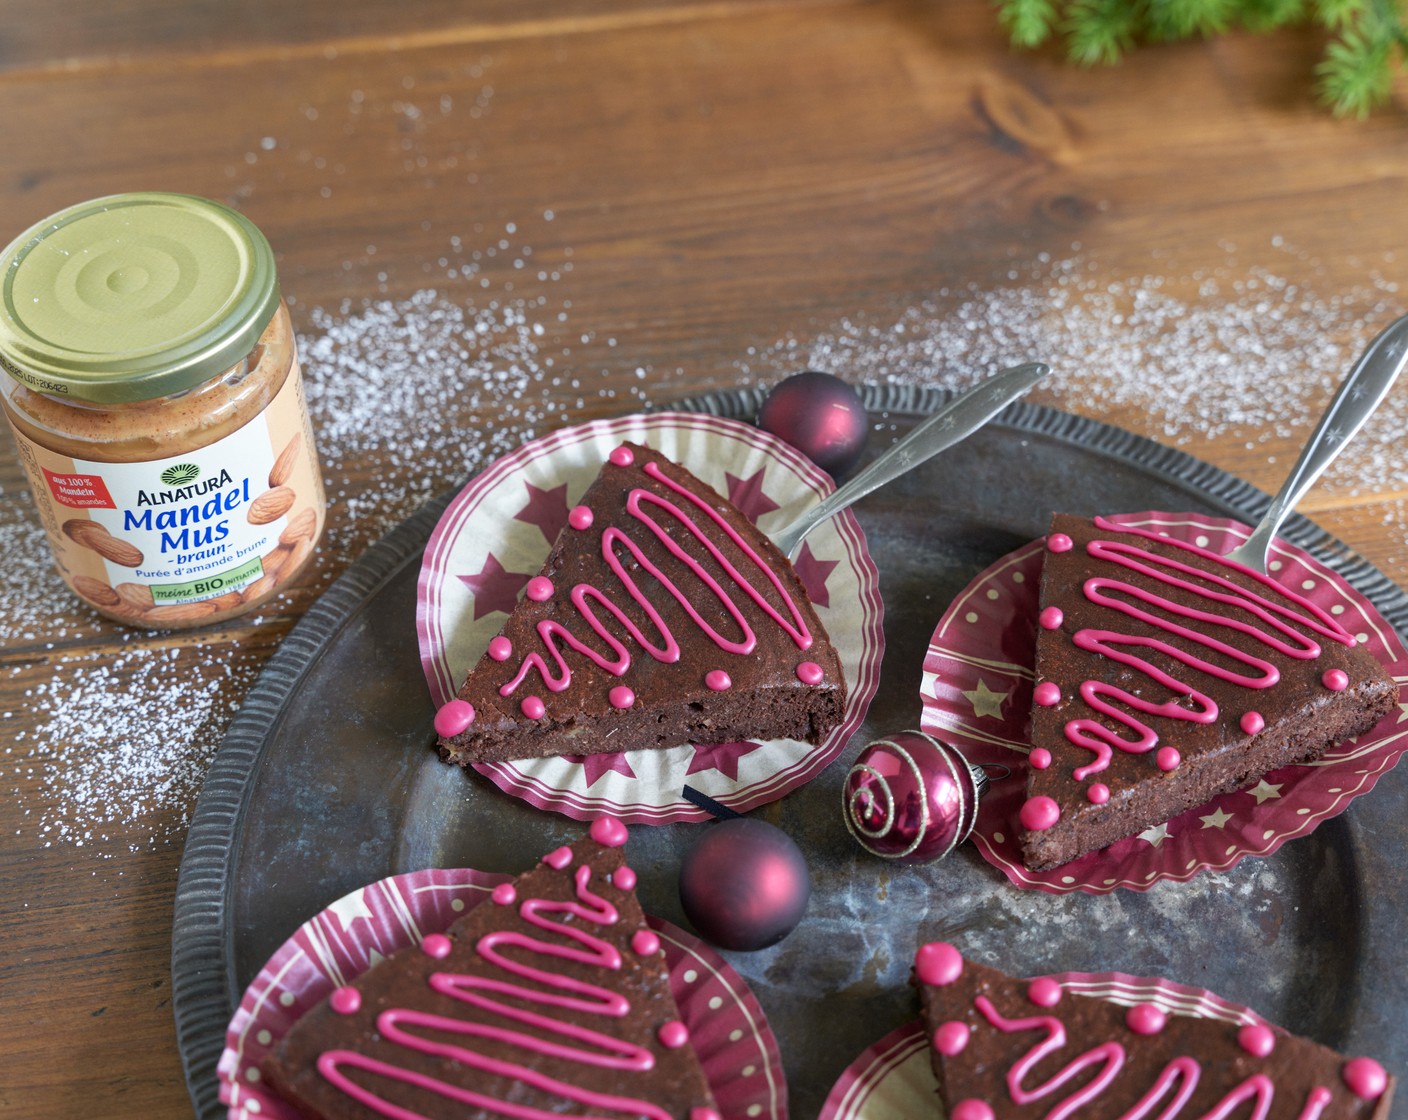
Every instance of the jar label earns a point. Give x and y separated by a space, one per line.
202 533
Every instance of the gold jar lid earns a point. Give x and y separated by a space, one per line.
134 296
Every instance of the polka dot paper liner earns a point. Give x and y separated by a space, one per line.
977 693
493 537
894 1079
727 1027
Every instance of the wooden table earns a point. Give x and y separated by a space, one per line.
500 217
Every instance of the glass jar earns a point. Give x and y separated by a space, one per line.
149 374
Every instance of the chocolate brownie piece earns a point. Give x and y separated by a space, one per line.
551 996
662 616
1166 676
1024 1049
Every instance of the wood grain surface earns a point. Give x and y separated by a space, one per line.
633 201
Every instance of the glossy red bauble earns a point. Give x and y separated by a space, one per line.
744 884
821 416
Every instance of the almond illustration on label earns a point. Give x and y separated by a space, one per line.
282 470
96 591
300 527
271 505
89 534
135 596
181 612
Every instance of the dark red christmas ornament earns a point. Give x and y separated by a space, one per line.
912 798
744 884
821 416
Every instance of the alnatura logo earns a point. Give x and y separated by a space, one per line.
180 474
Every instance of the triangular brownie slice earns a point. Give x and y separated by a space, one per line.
1167 675
552 998
662 616
1028 1049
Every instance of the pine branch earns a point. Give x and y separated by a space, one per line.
1100 31
1028 22
1356 74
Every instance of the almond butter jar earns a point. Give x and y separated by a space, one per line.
150 378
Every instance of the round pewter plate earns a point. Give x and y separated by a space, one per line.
326 782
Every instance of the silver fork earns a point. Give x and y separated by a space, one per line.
1360 393
957 420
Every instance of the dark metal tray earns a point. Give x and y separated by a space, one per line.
325 782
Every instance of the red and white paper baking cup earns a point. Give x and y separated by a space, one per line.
496 533
977 693
727 1027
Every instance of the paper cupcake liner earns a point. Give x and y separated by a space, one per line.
977 693
894 1078
727 1027
499 529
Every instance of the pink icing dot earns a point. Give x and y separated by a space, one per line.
1059 542
559 858
539 589
1257 1039
1336 680
1365 1078
608 832
704 1114
1039 814
1168 759
938 963
1098 793
581 517
1051 618
673 1035
1252 723
533 707
1146 1019
951 1038
624 879
500 648
504 894
972 1110
718 680
454 717
809 672
1044 992
621 697
436 945
1040 758
645 942
1047 694
345 1001
622 457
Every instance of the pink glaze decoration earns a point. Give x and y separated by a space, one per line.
1051 618
971 1109
539 589
500 648
581 517
1098 793
1145 1019
938 963
704 1113
809 672
1168 759
1039 813
1039 758
345 1001
1365 1078
1044 992
673 1035
454 717
609 832
621 697
436 945
624 878
645 942
1059 542
559 858
1252 723
718 680
951 1038
504 894
1047 694
533 707
622 457
586 599
1336 680
1257 1039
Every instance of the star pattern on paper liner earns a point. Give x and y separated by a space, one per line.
547 509
595 765
349 908
985 701
747 494
814 573
1156 835
1216 819
494 588
722 757
1402 713
1264 791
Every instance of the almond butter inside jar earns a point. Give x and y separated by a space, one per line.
151 382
